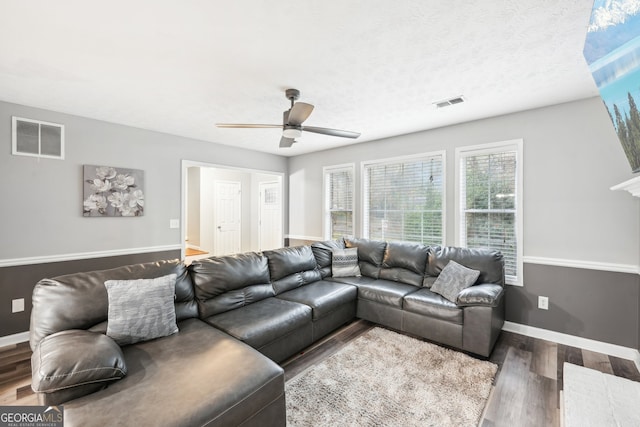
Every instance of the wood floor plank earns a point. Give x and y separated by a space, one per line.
598 361
541 408
567 354
624 368
545 359
509 396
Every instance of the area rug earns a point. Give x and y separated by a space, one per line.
592 398
383 378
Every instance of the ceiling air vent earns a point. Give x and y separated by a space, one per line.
448 102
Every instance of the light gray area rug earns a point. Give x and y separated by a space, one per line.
383 378
591 398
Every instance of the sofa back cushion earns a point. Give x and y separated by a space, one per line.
370 255
322 251
404 262
489 262
79 300
292 267
228 282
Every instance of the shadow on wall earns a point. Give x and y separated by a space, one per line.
522 308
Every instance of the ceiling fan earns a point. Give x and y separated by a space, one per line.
292 122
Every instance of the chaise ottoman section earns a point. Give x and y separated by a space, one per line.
275 327
197 377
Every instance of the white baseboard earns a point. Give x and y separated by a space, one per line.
14 339
573 341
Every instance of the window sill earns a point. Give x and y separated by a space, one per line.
632 186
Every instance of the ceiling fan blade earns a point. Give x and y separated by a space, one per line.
246 125
332 132
286 142
299 113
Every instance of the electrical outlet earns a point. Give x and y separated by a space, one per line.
174 223
543 303
17 305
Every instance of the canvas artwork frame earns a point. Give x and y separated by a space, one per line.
112 191
612 51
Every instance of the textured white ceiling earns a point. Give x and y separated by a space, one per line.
372 66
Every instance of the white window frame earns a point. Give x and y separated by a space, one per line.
14 138
490 148
392 160
326 223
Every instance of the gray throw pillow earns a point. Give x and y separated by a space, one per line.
452 279
344 262
141 309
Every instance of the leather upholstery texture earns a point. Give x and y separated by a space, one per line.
322 251
230 282
487 294
199 376
323 297
385 292
291 268
79 300
370 255
490 263
264 321
57 368
433 305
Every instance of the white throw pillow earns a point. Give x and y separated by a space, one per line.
141 309
452 279
344 262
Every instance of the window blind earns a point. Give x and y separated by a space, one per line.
403 200
339 202
488 202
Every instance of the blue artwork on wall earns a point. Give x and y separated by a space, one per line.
612 50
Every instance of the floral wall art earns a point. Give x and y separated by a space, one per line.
110 191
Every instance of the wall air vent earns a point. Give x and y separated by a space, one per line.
448 102
36 138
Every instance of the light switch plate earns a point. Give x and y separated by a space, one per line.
174 223
17 305
543 303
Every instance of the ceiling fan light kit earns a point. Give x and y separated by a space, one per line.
292 120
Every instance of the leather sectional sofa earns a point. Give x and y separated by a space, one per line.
238 316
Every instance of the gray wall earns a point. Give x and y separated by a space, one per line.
571 159
46 195
41 211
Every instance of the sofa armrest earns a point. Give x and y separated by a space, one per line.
486 294
73 363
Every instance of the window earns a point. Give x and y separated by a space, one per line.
404 199
490 201
36 138
338 201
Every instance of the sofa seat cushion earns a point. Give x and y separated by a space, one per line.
262 322
353 280
433 305
385 292
199 376
323 297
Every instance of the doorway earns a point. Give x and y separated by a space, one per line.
228 210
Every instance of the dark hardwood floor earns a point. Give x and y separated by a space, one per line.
526 388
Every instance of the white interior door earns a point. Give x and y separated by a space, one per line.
270 225
228 215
